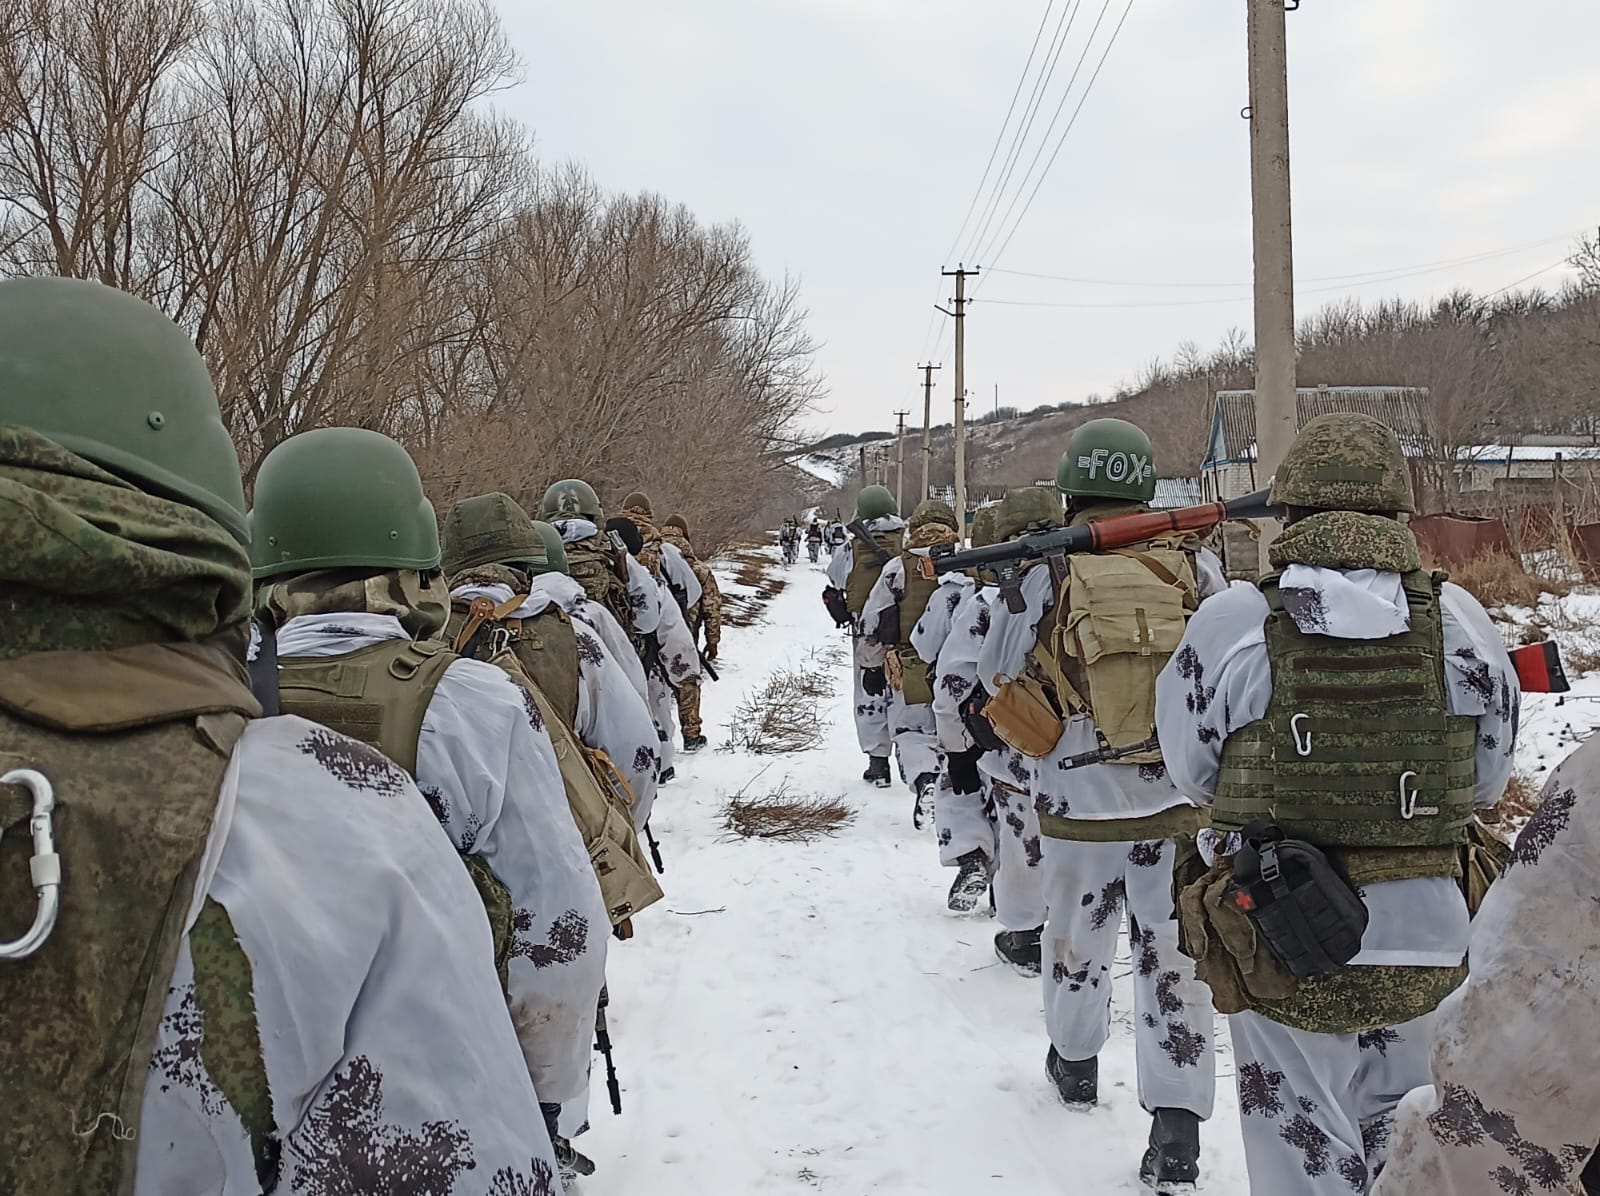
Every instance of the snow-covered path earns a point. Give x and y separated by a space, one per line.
809 1017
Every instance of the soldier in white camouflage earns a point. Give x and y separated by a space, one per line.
1348 715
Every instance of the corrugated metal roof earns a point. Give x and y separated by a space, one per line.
1496 454
1406 409
1172 493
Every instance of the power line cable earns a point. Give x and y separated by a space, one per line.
1055 119
1000 136
1446 263
1088 88
1058 44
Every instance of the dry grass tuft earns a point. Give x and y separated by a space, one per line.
783 816
752 570
1496 579
1519 801
783 715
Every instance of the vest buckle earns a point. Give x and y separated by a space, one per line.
45 866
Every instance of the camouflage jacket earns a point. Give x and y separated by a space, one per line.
707 612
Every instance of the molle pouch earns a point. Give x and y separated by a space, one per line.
1304 909
838 610
1025 718
914 682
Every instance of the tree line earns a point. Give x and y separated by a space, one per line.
322 194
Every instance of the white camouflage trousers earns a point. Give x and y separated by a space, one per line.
1019 871
1086 886
664 710
963 821
1317 1108
872 711
916 741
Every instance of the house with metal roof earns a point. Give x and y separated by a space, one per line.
1229 469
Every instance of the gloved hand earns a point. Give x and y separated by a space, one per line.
963 769
711 650
874 681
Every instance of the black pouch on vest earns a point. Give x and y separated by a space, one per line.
978 727
1306 912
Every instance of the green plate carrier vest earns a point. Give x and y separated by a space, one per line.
135 743
592 564
379 695
1357 749
546 646
600 799
919 590
865 570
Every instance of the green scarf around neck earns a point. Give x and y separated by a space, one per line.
1347 540
92 563
421 601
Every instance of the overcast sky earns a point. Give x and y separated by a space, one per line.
848 136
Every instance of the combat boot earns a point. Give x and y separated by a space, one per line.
1020 949
972 879
1172 1163
877 771
1077 1083
572 1161
693 743
922 807
666 775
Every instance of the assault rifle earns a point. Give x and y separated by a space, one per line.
858 529
1119 531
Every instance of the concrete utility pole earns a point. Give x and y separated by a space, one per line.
961 274
927 423
1276 415
900 461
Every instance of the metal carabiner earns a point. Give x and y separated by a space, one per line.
1408 797
1303 746
45 866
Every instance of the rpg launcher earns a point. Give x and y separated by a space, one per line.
1049 542
1538 665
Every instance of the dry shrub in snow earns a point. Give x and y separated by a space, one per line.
1496 579
784 816
1519 801
781 716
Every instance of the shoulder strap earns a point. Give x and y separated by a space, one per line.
1190 598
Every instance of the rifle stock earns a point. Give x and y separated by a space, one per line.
1118 531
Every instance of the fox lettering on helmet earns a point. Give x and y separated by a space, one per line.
338 498
1111 459
571 499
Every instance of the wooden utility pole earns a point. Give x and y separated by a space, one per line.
961 274
1275 403
900 461
865 480
927 422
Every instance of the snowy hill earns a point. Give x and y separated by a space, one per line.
799 1018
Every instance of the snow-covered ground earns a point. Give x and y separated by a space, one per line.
810 1017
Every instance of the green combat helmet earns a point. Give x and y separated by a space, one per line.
571 499
490 529
340 497
555 552
1345 462
1108 458
1022 507
983 527
933 511
69 347
875 502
